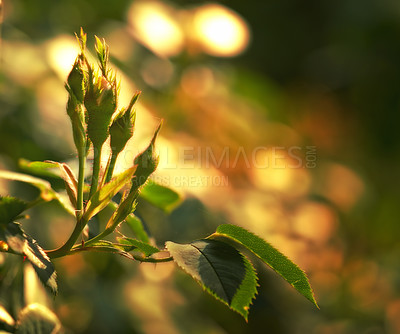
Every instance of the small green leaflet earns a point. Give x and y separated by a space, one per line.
160 196
137 227
220 269
270 256
10 209
104 246
124 209
21 243
103 196
145 248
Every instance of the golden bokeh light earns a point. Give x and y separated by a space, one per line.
280 171
197 81
61 53
154 25
23 62
315 221
342 186
220 31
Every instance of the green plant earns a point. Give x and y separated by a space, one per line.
216 261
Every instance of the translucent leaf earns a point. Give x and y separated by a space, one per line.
160 196
133 222
47 193
19 242
220 269
103 196
43 168
10 209
143 247
6 320
124 209
37 319
270 256
137 227
54 169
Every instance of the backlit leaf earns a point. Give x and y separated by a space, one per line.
270 256
47 193
37 319
220 269
137 227
103 196
54 169
42 168
160 196
21 243
104 246
143 247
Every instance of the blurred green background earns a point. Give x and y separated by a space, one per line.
281 117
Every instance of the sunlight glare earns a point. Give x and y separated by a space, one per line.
154 25
220 31
61 53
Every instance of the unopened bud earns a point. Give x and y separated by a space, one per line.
100 102
76 79
121 130
146 162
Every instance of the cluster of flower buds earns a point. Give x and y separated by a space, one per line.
92 105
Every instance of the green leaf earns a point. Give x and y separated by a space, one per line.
160 196
270 256
42 168
143 247
47 193
54 169
220 269
126 206
106 247
21 243
137 227
103 196
10 209
37 319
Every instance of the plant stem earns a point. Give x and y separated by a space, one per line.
99 236
81 183
111 166
65 249
80 224
96 170
134 256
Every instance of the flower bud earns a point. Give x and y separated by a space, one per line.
100 102
76 79
102 52
121 130
146 162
